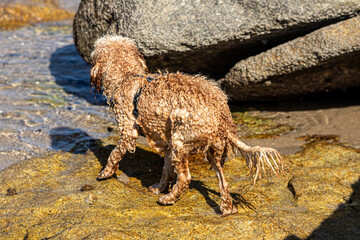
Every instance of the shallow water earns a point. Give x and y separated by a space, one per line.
44 92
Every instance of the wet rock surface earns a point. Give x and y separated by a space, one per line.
17 13
284 124
68 5
320 199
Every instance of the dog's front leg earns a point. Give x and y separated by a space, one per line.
112 162
126 143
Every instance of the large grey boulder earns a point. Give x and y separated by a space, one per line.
207 36
326 59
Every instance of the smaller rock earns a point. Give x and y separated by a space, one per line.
10 192
123 178
86 187
323 60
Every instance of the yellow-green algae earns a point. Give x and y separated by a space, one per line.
55 100
50 200
255 127
16 15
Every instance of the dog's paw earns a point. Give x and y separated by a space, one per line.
167 199
103 175
228 212
155 188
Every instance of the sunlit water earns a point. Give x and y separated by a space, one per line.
45 99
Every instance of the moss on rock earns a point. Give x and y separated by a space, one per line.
51 201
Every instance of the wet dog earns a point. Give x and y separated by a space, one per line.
179 114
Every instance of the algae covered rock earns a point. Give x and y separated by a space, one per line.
58 197
17 13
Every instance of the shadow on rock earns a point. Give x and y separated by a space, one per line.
316 101
143 165
239 200
344 223
72 73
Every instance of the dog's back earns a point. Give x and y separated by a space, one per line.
193 108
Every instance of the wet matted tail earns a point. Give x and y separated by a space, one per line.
259 159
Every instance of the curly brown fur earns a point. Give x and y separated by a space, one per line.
180 115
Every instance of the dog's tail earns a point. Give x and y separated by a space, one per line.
259 158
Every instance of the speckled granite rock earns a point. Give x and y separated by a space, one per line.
204 36
326 59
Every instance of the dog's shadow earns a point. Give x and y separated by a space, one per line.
239 200
144 165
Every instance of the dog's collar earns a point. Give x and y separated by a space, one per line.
137 95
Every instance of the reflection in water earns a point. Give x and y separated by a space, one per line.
72 140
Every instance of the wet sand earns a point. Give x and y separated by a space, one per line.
333 114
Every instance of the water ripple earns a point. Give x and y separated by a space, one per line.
44 85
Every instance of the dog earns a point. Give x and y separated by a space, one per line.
179 114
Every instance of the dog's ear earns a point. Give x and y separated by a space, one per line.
143 63
96 77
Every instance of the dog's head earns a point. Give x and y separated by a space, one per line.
115 58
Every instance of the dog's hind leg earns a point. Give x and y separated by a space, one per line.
178 155
167 177
216 158
183 180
